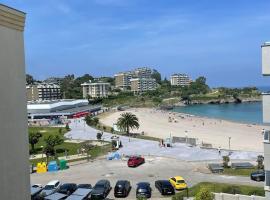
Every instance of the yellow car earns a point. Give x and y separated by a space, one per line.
178 183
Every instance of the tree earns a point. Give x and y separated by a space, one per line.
91 121
52 141
67 127
33 139
87 147
99 135
128 121
204 194
226 160
29 79
156 75
260 160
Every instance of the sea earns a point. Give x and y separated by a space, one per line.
250 113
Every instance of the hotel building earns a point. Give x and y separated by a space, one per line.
180 80
95 90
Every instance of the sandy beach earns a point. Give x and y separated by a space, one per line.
162 124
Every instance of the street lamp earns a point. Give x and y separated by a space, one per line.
41 152
230 143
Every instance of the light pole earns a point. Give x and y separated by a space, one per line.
41 152
230 143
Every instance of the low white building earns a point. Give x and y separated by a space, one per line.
180 80
96 90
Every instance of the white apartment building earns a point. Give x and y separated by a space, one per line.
95 90
140 85
180 80
43 92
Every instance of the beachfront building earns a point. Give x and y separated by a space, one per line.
43 91
14 149
140 85
95 90
180 80
266 118
142 72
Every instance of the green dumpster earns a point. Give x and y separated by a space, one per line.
63 164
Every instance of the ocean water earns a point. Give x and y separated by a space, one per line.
244 112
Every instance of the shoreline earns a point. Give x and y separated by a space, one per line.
214 131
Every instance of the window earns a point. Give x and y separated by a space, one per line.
267 178
267 136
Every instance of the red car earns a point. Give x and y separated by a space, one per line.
135 161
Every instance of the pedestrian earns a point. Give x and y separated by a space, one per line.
219 151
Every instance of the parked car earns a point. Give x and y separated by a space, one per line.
101 190
164 187
178 183
258 176
67 188
50 188
80 194
56 196
135 161
35 190
122 188
84 186
143 190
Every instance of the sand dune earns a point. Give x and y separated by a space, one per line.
214 131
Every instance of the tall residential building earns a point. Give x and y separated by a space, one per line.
95 90
266 118
14 149
43 92
122 80
180 80
53 80
140 85
143 72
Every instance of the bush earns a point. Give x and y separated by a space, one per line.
226 160
204 194
231 190
99 135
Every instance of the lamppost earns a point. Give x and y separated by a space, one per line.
230 143
41 152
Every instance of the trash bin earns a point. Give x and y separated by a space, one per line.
52 166
63 164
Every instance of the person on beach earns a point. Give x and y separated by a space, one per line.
219 151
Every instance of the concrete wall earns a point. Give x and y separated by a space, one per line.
14 167
223 196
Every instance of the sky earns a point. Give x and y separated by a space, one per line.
218 39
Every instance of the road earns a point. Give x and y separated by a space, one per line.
155 168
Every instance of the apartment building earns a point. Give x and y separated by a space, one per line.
140 85
14 148
122 80
53 80
142 72
266 118
95 90
43 91
180 80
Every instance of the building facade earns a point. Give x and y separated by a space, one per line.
140 85
123 79
14 150
180 80
266 118
43 92
95 90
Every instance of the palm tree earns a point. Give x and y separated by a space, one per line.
128 121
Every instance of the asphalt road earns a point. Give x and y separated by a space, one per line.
155 168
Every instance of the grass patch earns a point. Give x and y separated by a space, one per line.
60 149
239 172
221 187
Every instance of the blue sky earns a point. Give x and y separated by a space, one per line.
219 39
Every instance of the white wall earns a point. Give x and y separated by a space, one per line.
14 164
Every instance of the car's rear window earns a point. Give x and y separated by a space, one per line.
180 181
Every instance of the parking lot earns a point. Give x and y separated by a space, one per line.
155 168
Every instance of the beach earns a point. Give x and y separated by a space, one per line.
163 124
